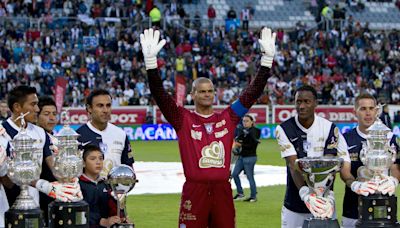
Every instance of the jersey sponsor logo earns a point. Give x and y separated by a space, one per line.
209 128
196 125
353 156
108 164
351 147
196 134
118 143
221 134
85 143
213 155
220 124
334 140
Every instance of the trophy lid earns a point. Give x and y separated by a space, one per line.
67 131
22 141
378 127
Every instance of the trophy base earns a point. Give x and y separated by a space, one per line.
377 210
123 225
15 218
320 223
75 214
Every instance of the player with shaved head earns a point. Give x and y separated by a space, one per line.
205 137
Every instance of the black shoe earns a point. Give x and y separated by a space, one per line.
238 197
251 200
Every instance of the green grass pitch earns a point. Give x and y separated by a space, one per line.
161 210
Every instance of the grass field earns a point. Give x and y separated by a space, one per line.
161 211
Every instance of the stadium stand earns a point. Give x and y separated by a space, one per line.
96 45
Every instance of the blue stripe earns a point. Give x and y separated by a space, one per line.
238 108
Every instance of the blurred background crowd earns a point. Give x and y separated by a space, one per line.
95 44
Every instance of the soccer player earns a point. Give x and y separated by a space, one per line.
307 135
47 119
205 137
112 140
365 108
3 171
23 100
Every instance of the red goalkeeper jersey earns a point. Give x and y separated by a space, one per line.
205 142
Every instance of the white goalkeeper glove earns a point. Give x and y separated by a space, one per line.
63 192
151 45
364 188
329 205
388 185
267 46
314 203
3 161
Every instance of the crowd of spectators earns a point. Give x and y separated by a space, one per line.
340 63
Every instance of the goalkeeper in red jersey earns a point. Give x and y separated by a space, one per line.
205 137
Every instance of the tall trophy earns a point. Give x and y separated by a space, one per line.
24 168
122 179
319 174
377 210
68 164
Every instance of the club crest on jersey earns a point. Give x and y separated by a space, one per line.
209 128
103 147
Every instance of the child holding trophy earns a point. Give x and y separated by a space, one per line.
95 191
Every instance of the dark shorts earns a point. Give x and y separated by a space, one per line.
207 204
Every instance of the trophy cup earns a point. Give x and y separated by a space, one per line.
377 210
122 179
68 164
319 174
22 170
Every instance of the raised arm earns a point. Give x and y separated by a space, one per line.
256 87
151 45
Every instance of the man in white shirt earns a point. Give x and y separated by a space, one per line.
307 135
112 140
23 100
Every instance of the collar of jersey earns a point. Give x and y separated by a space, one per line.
202 115
93 128
306 130
85 178
13 125
362 135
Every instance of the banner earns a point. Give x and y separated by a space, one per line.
119 115
344 113
259 112
157 132
60 90
180 88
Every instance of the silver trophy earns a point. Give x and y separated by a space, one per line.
319 174
23 169
68 164
377 155
122 179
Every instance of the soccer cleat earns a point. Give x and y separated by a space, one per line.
238 197
251 200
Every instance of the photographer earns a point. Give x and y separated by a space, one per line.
245 147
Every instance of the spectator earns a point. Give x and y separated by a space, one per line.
385 117
211 16
396 119
155 16
231 14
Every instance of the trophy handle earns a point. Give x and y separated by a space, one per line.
363 151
